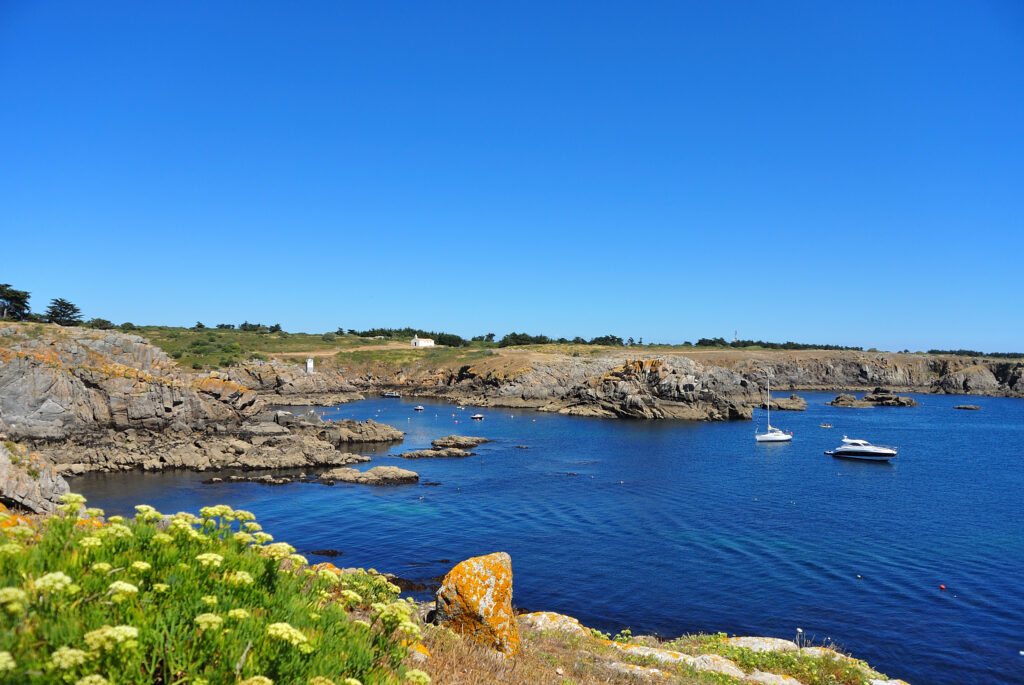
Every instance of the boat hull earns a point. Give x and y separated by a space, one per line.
773 438
861 455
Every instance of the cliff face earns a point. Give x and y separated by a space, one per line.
71 381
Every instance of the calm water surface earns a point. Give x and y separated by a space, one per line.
676 527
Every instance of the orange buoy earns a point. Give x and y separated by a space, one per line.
942 587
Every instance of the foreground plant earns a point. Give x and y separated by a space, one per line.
187 600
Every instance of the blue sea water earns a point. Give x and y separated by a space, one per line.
673 527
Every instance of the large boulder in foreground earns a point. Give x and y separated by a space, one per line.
475 599
28 481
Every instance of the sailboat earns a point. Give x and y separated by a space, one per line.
772 434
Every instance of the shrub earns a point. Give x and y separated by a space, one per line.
186 599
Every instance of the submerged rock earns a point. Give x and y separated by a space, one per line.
969 407
449 452
475 599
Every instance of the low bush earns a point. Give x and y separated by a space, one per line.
188 600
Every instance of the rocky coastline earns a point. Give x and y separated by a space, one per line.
91 400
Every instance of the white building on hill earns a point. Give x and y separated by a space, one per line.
421 342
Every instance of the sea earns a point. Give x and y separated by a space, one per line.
673 527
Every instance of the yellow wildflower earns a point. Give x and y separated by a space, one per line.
285 631
107 637
209 600
210 559
417 677
66 657
257 680
141 566
209 621
239 578
89 541
7 662
162 538
101 567
53 582
239 614
94 679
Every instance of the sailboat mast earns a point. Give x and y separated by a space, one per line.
769 402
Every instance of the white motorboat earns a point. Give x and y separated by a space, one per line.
477 417
862 449
418 407
391 393
772 434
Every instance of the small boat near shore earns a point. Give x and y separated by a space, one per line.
477 417
826 425
863 450
391 393
772 434
418 407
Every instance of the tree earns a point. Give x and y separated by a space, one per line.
199 326
225 326
102 324
276 328
630 341
63 313
13 303
489 337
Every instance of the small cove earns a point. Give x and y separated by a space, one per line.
674 527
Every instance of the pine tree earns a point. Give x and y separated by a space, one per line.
63 312
13 303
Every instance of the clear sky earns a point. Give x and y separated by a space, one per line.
848 173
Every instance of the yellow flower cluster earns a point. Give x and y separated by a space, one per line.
210 559
209 600
7 662
141 566
122 590
147 513
89 542
95 679
277 550
285 631
239 578
239 614
257 680
66 657
53 582
107 637
209 621
101 567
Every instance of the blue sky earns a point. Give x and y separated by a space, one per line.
848 173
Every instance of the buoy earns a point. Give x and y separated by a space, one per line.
942 587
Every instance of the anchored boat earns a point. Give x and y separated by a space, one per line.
863 450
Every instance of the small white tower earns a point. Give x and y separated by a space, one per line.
309 365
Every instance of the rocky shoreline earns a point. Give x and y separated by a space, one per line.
103 400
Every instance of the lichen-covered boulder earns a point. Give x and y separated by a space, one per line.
475 600
550 621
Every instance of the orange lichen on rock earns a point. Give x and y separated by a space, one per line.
326 566
475 600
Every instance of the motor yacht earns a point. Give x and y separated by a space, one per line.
862 449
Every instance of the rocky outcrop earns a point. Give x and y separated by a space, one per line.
72 381
378 475
28 481
475 599
437 453
292 385
791 403
969 407
654 389
879 397
459 441
338 433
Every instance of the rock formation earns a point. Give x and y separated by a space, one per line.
791 403
436 452
879 397
475 599
378 475
77 380
28 481
459 441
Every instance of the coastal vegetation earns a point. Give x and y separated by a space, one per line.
188 599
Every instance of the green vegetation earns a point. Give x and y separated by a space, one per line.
975 353
449 339
761 344
63 313
214 347
526 339
13 303
207 599
399 357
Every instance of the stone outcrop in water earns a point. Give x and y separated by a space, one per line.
459 441
791 403
378 475
879 397
437 453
